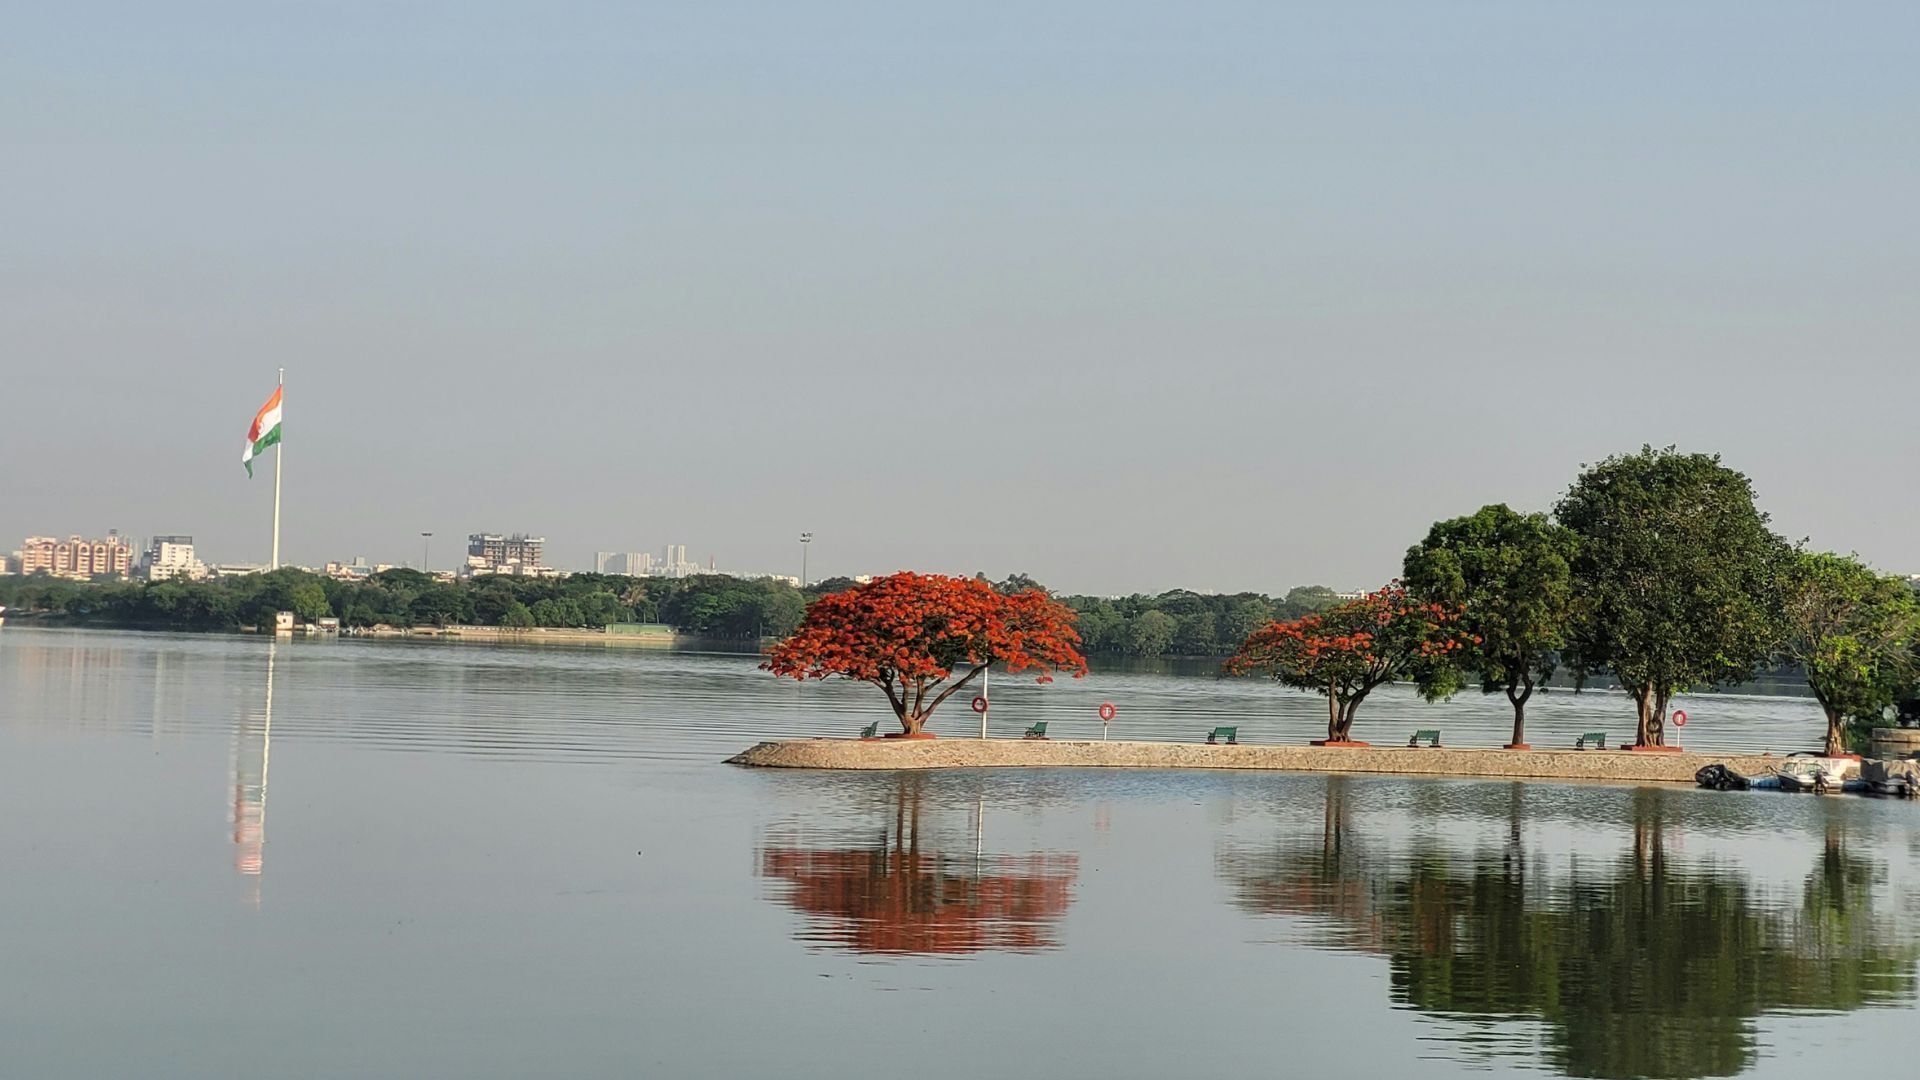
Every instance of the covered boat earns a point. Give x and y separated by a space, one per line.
1718 777
1900 778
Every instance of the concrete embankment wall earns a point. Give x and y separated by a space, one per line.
1016 753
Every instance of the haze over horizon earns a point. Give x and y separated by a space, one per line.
1127 297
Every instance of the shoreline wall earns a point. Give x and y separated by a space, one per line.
963 753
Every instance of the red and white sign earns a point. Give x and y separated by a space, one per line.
980 704
1679 718
1107 712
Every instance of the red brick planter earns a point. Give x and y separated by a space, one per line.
1660 749
1517 746
1339 744
904 735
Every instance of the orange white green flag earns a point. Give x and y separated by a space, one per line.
265 431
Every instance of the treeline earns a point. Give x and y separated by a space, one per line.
1176 623
711 605
1184 623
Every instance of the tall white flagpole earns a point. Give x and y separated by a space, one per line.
279 451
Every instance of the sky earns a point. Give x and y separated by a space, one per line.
1124 296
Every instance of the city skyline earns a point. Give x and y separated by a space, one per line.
1227 297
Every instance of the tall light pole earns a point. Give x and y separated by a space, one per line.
806 538
426 544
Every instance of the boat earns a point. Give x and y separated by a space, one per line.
1812 772
1718 777
1897 778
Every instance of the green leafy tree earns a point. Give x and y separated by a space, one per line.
1675 581
1196 633
557 612
1150 633
1853 631
1510 576
1248 613
517 616
1305 600
440 604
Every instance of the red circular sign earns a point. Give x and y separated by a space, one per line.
1107 712
979 704
1679 718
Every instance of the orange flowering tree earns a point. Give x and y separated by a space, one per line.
907 633
1347 651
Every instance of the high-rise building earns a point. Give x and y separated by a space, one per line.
492 553
171 556
632 563
75 557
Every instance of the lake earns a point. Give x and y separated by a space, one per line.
225 856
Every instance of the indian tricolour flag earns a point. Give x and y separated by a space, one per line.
265 431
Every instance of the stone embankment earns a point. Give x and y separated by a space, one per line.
960 753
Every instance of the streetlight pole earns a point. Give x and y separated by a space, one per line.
806 538
426 544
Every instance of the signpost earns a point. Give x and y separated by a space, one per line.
1107 713
1679 718
980 703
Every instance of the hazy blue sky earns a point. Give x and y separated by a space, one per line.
1126 296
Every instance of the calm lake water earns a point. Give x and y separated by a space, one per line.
348 858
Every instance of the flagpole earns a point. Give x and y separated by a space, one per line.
279 451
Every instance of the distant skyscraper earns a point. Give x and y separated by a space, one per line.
492 553
632 563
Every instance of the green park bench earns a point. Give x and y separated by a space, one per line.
871 731
1597 738
1228 735
1432 735
1037 731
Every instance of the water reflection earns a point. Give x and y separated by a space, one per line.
1642 964
252 753
897 887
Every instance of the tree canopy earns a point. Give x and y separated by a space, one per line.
1347 651
907 633
1853 632
1674 580
1510 576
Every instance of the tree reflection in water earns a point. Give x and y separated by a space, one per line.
892 890
1638 966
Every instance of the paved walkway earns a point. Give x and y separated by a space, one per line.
963 753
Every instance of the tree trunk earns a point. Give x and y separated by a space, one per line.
911 725
1333 715
1518 695
1643 734
1836 732
1660 698
1347 712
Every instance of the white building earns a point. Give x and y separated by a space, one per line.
631 563
171 557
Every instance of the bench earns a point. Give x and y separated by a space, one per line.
1597 738
1228 735
1037 731
1432 735
871 730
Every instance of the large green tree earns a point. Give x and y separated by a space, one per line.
1852 630
1675 580
1510 575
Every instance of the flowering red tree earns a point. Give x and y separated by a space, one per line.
1343 653
907 633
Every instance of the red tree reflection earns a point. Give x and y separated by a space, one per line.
896 896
